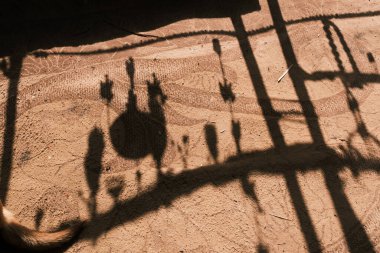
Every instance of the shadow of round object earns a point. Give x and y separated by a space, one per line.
129 135
135 134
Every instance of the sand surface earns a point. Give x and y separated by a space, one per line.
171 132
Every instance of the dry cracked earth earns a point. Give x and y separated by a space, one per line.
216 126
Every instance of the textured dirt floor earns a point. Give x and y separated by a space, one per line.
172 132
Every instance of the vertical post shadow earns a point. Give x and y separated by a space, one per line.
276 134
297 80
13 73
349 222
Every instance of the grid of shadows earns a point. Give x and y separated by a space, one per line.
276 135
344 210
135 134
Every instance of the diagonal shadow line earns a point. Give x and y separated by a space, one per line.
297 81
346 214
276 135
360 242
258 83
211 32
273 161
13 73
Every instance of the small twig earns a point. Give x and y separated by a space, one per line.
283 218
284 74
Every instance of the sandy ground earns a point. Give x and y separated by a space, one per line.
181 139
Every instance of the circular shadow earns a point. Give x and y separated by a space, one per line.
129 135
